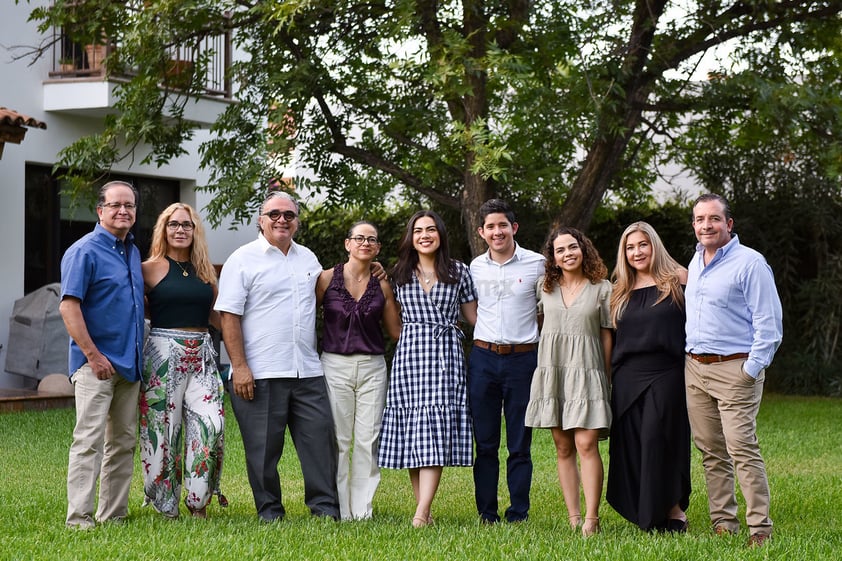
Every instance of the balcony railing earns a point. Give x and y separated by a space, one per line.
72 60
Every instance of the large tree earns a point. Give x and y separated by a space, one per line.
555 102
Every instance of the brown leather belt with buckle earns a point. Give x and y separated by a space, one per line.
505 349
710 359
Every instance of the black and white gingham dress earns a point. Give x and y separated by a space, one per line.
426 421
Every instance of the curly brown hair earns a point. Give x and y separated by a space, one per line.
592 265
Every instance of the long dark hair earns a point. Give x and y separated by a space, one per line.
592 266
408 257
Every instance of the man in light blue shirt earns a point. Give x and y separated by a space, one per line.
733 329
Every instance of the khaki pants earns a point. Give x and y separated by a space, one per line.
103 447
722 403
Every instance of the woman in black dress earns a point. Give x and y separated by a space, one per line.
649 466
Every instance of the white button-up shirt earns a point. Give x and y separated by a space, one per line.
275 296
507 304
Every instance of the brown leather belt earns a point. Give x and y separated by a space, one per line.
710 359
505 349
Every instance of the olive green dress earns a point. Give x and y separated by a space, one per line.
569 388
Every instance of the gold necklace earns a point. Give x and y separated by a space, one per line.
426 276
573 288
184 272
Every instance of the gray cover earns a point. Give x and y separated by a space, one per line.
38 340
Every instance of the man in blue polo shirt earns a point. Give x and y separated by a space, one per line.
102 308
734 327
502 361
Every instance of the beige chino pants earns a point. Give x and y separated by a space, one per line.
356 385
722 404
103 448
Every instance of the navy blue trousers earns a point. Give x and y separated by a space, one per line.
501 383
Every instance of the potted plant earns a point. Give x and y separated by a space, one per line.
179 73
96 55
66 64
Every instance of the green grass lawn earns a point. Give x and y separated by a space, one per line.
800 438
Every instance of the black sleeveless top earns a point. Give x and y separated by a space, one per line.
179 301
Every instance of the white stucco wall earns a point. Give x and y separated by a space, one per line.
22 90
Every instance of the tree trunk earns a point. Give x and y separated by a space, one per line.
603 162
605 155
474 194
600 167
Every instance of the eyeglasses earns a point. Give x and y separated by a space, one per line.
116 206
274 215
186 225
360 240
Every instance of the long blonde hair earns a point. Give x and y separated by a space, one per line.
664 270
199 256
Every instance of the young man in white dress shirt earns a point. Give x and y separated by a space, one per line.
502 361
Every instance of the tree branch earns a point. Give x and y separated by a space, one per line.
375 161
340 145
698 41
518 16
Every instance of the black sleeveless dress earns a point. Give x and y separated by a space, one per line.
649 466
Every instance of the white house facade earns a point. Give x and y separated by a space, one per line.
37 223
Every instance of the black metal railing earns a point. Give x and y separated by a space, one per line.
73 60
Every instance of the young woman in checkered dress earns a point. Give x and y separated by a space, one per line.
426 423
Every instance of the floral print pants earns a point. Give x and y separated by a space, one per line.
181 420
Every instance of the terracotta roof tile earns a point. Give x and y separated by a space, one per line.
9 117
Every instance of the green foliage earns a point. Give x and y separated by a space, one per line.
453 102
800 440
549 104
779 166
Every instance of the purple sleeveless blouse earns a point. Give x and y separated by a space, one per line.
351 326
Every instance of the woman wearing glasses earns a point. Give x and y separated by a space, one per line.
426 423
356 304
181 400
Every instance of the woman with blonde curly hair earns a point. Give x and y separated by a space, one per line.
649 469
569 392
181 411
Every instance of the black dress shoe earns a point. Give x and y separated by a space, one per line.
677 526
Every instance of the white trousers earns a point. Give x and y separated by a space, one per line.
356 385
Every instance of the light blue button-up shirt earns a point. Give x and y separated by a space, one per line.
733 306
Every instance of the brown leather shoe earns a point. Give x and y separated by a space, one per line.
758 539
722 530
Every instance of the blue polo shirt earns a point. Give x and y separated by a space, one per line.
104 273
